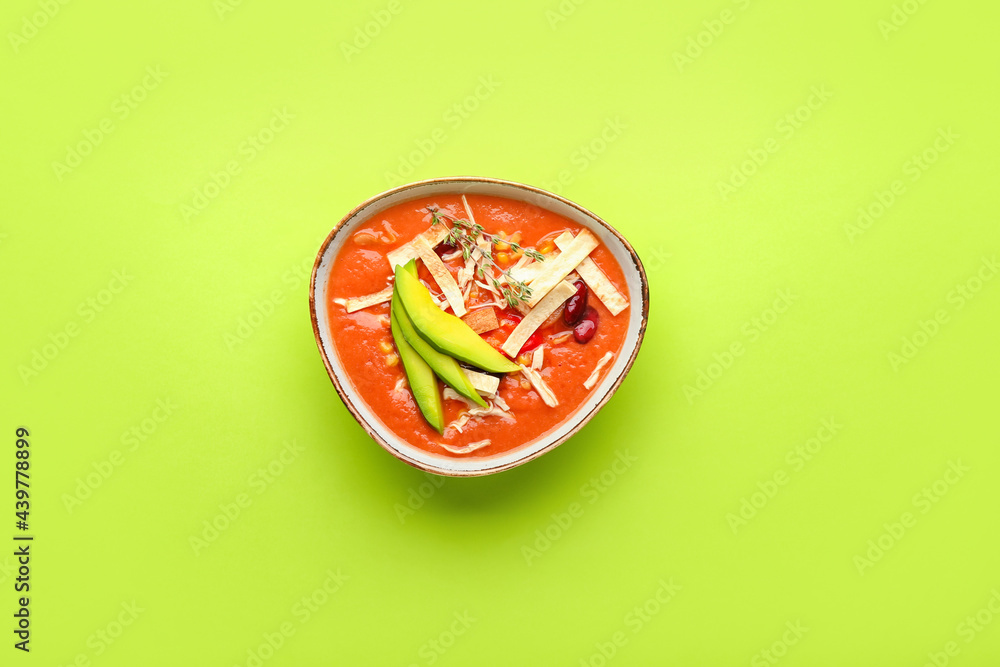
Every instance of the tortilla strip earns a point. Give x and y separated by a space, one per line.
558 268
596 280
358 302
485 384
537 316
535 378
596 375
404 253
442 276
468 449
529 270
482 320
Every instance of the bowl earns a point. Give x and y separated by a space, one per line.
638 312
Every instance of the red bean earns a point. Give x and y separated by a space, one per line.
587 326
576 305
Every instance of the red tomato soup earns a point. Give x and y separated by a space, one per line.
364 342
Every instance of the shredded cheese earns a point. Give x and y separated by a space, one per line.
596 375
404 253
596 279
561 337
465 203
558 268
359 302
535 378
442 276
536 317
467 449
538 358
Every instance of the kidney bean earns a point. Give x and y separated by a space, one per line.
587 326
576 305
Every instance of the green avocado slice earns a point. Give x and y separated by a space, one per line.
445 332
423 384
444 366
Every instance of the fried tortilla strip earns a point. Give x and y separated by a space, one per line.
404 253
536 316
442 276
558 268
482 319
485 384
359 302
596 280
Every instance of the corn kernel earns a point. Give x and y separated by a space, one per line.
525 384
391 359
524 359
502 258
385 345
546 247
516 238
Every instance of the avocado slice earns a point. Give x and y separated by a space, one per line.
423 384
443 366
445 332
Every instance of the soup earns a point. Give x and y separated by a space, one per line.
541 292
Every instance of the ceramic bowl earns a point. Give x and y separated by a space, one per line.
638 311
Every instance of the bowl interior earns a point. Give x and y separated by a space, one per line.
638 295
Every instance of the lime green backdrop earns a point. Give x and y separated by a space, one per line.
798 470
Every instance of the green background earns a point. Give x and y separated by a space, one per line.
592 99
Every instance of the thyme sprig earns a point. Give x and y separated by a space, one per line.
466 235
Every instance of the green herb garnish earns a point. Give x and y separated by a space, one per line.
466 235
